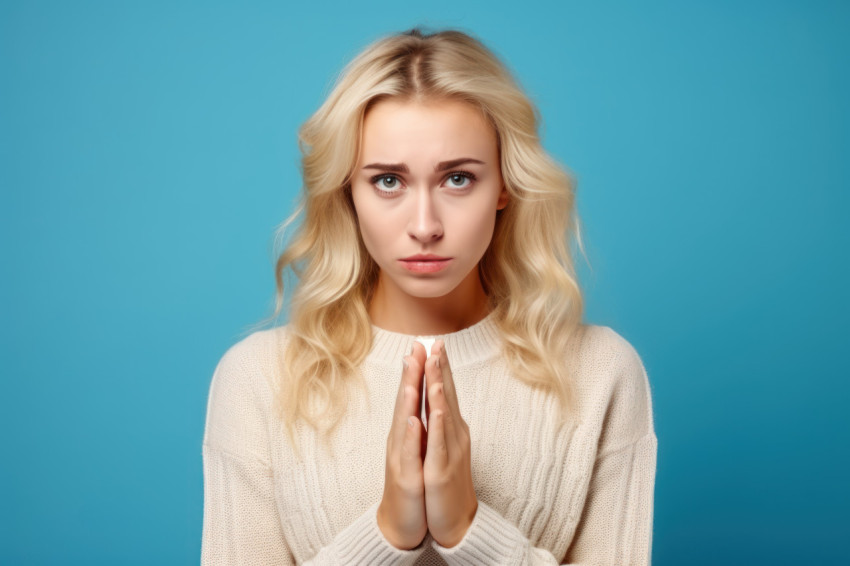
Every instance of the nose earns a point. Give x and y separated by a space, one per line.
425 224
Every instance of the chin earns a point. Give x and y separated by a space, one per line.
432 289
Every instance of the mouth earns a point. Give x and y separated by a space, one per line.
425 263
425 257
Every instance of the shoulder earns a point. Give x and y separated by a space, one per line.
607 345
603 351
616 381
257 352
240 394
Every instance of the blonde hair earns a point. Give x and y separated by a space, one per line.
530 280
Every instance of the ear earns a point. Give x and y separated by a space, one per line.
503 199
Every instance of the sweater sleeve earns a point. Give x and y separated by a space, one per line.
241 523
615 527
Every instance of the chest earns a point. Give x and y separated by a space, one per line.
526 466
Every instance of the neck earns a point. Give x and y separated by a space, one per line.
396 311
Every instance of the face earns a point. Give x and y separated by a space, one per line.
428 183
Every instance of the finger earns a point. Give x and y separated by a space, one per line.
437 456
419 352
438 372
426 401
407 404
398 408
415 369
448 423
411 452
446 375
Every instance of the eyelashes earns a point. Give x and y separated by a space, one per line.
384 190
379 178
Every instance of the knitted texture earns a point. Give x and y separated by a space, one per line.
547 494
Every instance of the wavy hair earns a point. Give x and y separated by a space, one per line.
530 280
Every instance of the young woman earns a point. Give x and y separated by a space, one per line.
431 217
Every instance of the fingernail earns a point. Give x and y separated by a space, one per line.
438 361
404 363
410 422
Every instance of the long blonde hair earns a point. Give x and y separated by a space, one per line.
530 280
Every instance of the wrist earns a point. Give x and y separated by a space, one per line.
391 536
459 534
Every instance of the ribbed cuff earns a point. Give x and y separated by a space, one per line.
490 539
362 542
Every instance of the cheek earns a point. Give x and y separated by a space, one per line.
477 231
374 229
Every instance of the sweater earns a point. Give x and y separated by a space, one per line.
547 493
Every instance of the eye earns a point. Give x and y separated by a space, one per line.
385 185
461 179
388 182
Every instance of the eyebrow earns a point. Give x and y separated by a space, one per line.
441 166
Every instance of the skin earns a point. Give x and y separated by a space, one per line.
427 212
428 484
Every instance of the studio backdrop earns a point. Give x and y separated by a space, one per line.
148 151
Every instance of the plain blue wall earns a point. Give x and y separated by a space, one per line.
148 150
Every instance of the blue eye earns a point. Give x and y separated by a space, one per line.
393 182
458 179
385 185
390 185
462 178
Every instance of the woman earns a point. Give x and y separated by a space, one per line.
431 213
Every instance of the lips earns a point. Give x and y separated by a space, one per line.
425 257
425 263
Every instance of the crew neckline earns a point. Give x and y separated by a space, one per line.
475 343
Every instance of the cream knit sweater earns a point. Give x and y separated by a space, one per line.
546 495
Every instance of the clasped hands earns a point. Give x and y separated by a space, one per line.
428 480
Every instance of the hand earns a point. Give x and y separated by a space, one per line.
401 513
450 500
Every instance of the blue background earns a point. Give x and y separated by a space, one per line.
148 151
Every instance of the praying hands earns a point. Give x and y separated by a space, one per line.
428 479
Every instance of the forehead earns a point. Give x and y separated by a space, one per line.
437 128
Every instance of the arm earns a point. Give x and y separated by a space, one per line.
242 524
615 527
622 480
